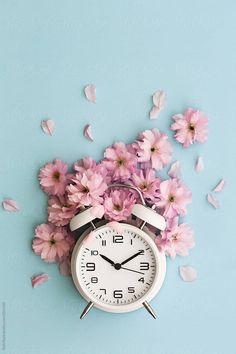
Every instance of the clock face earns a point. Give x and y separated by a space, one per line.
116 270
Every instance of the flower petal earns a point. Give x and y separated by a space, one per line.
98 211
199 166
220 186
213 201
175 170
154 112
90 93
187 273
159 99
10 205
48 126
115 225
39 279
88 132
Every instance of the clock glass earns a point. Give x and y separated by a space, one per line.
116 269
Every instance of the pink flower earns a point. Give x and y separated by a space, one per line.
88 189
118 204
177 241
52 243
85 164
154 146
147 182
59 212
53 178
173 198
190 127
119 161
88 163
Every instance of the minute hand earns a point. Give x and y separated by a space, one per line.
129 259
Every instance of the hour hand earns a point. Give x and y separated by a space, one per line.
107 259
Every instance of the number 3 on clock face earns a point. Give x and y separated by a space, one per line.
118 272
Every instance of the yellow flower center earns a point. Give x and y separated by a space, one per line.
56 176
153 149
117 207
120 162
191 127
175 237
171 198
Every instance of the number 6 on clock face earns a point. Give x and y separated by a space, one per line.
118 272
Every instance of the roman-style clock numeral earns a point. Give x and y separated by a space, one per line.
90 267
144 265
117 239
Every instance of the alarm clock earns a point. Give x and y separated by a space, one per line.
118 271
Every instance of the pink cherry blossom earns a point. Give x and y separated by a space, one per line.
119 161
88 163
118 204
154 146
177 241
87 189
53 177
85 164
147 182
52 243
174 196
59 211
190 127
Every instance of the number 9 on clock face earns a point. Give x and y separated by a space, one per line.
118 272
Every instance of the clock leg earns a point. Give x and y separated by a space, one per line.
149 309
86 310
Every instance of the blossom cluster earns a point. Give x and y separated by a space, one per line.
136 164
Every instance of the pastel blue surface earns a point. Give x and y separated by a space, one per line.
49 51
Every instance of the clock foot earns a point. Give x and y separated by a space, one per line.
149 309
86 310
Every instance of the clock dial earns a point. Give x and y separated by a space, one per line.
116 269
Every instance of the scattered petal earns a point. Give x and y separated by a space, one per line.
88 132
48 126
220 186
213 201
64 267
89 239
90 93
115 225
10 205
199 164
98 211
175 170
154 112
187 273
39 279
159 99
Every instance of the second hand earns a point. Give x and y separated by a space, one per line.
132 270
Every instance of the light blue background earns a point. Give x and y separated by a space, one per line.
49 51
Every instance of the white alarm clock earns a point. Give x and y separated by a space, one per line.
118 272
